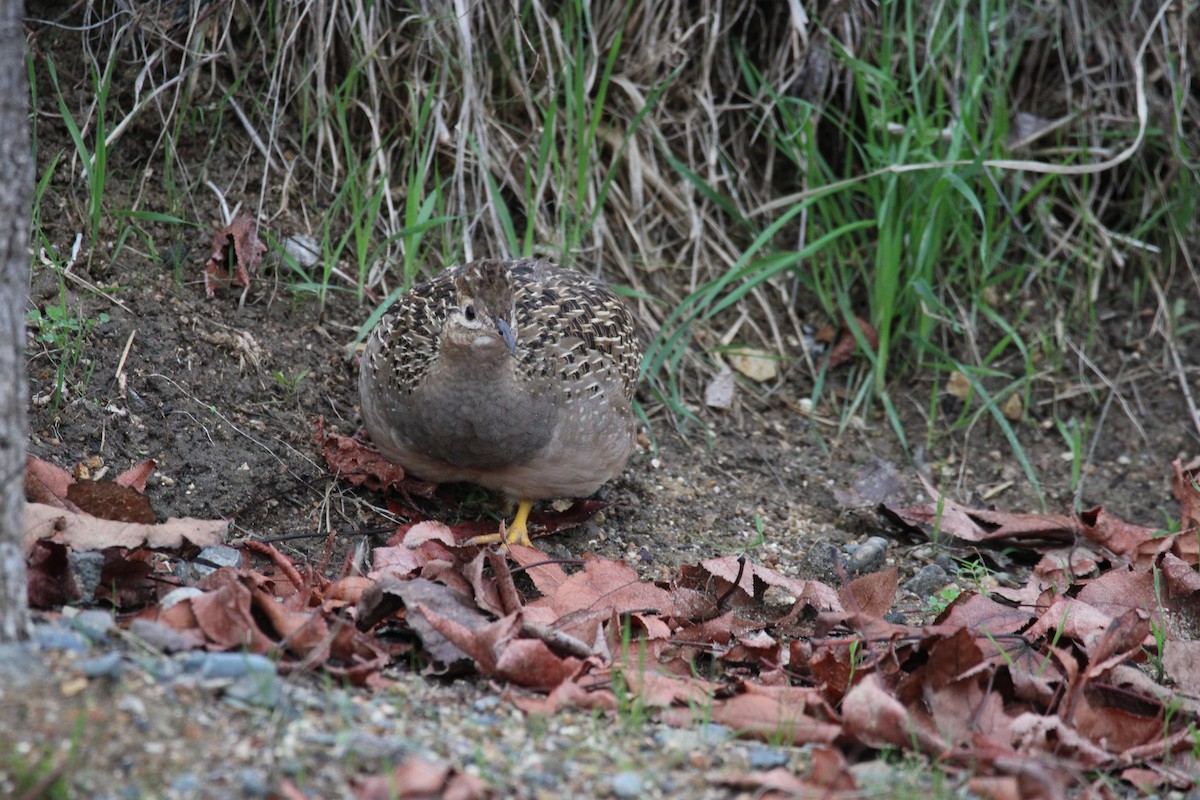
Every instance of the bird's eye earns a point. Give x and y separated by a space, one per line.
469 312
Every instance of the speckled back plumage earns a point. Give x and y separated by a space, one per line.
544 413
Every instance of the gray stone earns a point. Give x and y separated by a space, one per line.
161 637
767 757
928 580
488 703
868 556
256 690
712 733
187 784
213 557
57 637
228 665
627 784
94 624
108 665
85 568
255 783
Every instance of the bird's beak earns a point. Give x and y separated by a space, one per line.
506 333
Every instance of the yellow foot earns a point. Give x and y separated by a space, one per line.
517 533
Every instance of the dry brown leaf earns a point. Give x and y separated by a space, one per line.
84 532
417 779
236 250
47 483
847 345
110 500
871 595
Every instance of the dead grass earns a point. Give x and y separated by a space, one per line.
651 144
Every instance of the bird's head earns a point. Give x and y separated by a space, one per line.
483 319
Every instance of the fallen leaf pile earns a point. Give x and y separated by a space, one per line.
1090 669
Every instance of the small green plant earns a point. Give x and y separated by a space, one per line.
1074 433
856 656
631 705
1158 629
975 574
35 770
289 382
63 330
939 602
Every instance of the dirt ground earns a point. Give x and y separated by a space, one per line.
224 396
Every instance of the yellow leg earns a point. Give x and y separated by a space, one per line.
517 533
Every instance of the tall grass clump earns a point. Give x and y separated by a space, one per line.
962 177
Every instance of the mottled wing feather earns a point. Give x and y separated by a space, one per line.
412 330
577 327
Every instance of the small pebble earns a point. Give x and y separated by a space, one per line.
228 665
175 595
372 747
108 665
213 557
57 637
255 783
928 580
868 556
255 690
767 757
86 566
627 784
94 624
539 779
488 703
712 733
161 637
186 784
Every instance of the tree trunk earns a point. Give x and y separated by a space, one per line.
16 191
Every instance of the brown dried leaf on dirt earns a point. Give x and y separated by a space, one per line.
417 779
84 532
110 500
1133 543
51 582
847 344
121 499
362 465
871 595
828 777
753 580
793 715
1182 662
1184 487
874 483
984 616
47 483
945 517
428 608
874 717
948 518
135 477
236 250
608 587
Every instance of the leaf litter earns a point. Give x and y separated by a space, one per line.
1027 690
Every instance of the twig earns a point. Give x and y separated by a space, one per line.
510 599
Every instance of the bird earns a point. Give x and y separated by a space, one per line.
513 374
